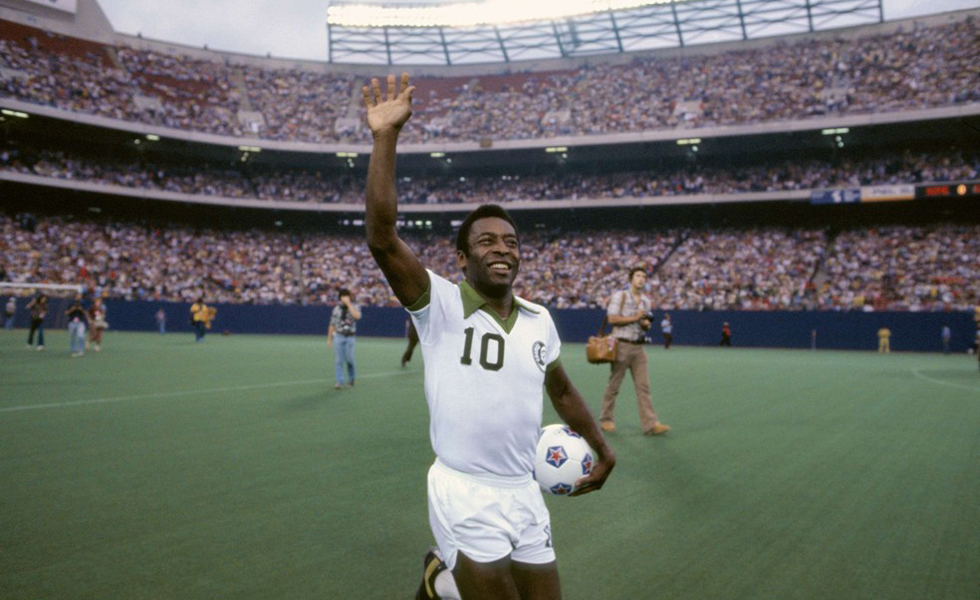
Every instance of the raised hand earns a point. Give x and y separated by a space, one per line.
391 113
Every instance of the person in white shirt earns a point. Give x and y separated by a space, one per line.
629 314
487 355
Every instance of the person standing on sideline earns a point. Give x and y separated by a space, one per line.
946 334
161 318
199 318
9 311
413 339
343 326
667 328
488 355
726 335
38 308
627 313
97 323
884 340
976 342
77 317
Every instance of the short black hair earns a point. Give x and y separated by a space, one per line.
634 270
483 212
343 292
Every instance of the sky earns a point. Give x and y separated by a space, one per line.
297 28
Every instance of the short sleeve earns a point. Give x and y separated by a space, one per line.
553 345
428 314
615 305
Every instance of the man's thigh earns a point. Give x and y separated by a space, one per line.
537 582
506 579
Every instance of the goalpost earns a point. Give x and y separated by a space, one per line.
59 299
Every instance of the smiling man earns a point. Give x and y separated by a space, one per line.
487 356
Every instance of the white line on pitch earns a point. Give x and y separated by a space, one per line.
239 388
916 373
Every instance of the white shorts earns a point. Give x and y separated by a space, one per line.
488 517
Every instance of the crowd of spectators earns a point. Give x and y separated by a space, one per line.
317 187
920 268
754 270
914 68
902 268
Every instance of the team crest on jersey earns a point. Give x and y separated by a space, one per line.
538 352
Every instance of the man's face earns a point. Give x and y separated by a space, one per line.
495 256
638 280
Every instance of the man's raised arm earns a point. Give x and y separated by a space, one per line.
385 117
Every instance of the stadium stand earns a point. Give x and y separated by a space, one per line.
756 266
313 186
918 268
915 68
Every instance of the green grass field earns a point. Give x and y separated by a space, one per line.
165 469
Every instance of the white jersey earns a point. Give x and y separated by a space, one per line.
484 378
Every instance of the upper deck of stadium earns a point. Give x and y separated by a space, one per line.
79 69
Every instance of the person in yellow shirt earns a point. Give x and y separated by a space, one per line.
201 316
884 340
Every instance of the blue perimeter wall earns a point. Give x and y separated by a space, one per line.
918 332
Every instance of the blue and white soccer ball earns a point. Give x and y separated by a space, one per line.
562 458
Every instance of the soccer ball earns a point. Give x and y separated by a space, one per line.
562 458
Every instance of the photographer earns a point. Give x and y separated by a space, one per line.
343 325
629 314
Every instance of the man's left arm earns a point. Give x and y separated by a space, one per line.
573 411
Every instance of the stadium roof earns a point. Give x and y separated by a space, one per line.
461 34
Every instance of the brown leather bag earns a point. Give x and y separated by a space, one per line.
601 348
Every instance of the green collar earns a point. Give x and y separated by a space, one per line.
473 301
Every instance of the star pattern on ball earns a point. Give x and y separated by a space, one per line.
561 489
556 456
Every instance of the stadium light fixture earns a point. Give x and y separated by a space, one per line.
688 141
347 155
556 149
437 154
836 131
250 149
153 137
14 113
472 14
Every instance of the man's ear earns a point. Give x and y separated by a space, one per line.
461 259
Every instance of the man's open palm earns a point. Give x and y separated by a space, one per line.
389 112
